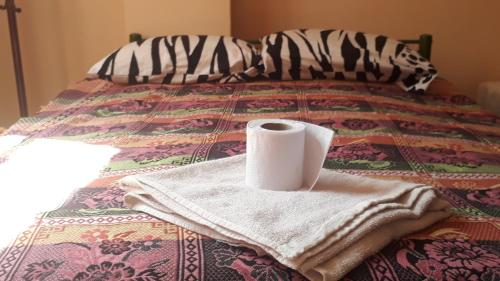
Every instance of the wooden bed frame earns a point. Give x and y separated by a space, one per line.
424 43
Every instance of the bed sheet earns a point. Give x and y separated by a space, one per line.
443 140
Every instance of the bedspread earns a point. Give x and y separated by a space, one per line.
446 141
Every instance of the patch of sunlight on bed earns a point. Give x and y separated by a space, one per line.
9 141
40 175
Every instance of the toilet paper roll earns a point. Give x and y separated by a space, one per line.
285 154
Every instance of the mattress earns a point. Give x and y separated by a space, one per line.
444 140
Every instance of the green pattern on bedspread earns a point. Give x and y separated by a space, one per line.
445 141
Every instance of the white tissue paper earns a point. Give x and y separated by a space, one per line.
285 155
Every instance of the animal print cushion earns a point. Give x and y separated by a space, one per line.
344 55
180 59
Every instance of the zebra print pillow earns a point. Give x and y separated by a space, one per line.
344 55
180 59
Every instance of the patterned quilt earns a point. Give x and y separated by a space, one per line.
443 140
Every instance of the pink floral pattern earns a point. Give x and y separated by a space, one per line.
149 243
95 235
116 246
276 103
362 151
461 254
41 270
449 156
225 149
186 125
162 151
266 105
334 104
487 197
415 126
475 118
253 267
128 107
491 274
461 100
359 124
83 130
193 105
449 260
116 272
460 274
431 268
108 198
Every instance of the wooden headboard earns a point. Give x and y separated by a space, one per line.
424 43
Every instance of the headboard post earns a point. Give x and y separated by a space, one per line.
425 45
135 37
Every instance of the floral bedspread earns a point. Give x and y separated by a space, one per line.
445 141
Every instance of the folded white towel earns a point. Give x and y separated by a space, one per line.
323 233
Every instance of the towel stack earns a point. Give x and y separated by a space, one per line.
323 233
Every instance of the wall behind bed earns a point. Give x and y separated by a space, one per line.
8 112
59 41
466 46
62 39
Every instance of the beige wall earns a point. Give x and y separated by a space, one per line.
43 60
466 33
161 17
62 39
8 101
91 30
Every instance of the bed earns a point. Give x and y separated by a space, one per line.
440 138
